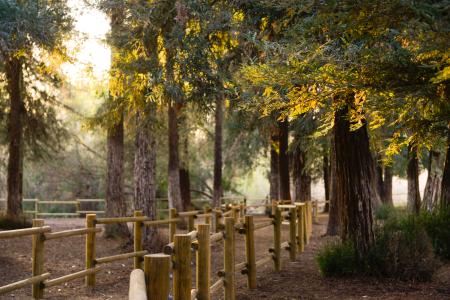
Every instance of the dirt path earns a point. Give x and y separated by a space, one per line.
297 280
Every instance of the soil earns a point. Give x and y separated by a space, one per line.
297 280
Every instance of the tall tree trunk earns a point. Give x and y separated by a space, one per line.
217 189
14 77
445 183
413 199
274 176
185 180
326 181
145 173
283 162
432 190
354 182
301 178
115 202
174 189
387 186
379 183
333 218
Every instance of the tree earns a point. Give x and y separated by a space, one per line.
31 34
283 160
218 132
413 198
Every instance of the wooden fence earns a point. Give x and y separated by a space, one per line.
218 225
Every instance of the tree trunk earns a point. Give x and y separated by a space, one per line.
445 183
387 186
274 176
354 182
115 202
413 199
14 77
301 178
174 187
217 193
185 180
432 190
283 162
333 217
145 173
379 183
326 181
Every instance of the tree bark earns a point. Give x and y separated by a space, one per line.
274 176
354 182
115 202
301 178
387 186
333 217
379 183
283 162
174 187
432 190
185 180
14 78
413 198
326 181
217 188
445 183
145 173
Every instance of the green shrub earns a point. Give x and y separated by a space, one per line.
437 226
7 223
338 259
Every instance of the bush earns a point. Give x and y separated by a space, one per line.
7 223
338 259
437 226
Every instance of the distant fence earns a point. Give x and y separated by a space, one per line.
80 207
177 254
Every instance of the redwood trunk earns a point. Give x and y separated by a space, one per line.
387 186
115 202
185 180
217 189
379 183
274 176
144 174
413 198
326 181
174 190
14 78
445 184
301 178
354 183
432 190
283 162
333 217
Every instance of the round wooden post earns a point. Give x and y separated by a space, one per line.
157 278
300 230
203 270
229 260
292 234
306 223
182 280
90 249
137 239
172 225
206 211
235 214
191 223
250 252
277 239
38 259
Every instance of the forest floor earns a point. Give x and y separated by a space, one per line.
297 280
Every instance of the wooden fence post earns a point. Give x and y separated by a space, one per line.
235 214
203 270
172 225
292 233
228 259
157 278
300 229
90 249
137 239
250 252
182 267
309 218
38 259
206 211
277 239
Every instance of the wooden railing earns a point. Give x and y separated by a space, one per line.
218 225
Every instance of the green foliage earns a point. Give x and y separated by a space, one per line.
7 223
338 259
437 225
